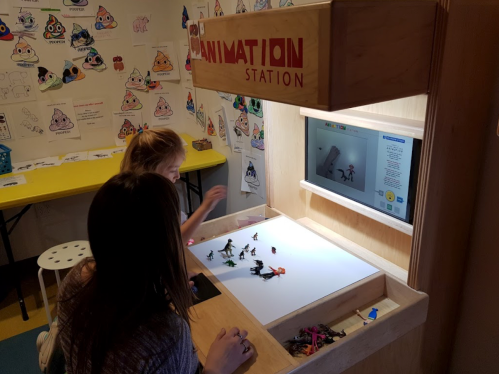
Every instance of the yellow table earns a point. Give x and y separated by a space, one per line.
79 177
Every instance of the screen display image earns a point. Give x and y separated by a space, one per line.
375 168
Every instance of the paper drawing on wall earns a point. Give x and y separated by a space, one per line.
240 7
94 61
188 61
5 132
21 91
194 43
240 104
140 24
48 80
24 54
225 96
25 21
258 135
54 29
130 102
80 37
185 18
136 81
221 127
284 3
163 109
251 176
238 133
211 128
5 33
190 104
28 115
126 129
152 85
200 117
118 63
15 86
242 123
255 107
104 19
60 121
71 73
218 9
33 128
162 63
75 2
262 5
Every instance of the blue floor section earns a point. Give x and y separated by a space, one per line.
18 355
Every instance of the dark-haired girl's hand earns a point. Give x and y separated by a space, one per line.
228 352
191 274
213 196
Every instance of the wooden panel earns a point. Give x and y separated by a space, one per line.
330 56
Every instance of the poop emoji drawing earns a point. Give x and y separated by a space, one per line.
118 63
47 79
163 109
152 85
5 33
75 2
262 5
71 73
251 176
255 107
211 128
257 140
60 121
94 61
241 8
54 29
80 37
218 9
130 102
136 81
26 21
200 118
104 19
162 63
23 52
190 104
221 127
126 129
242 123
185 18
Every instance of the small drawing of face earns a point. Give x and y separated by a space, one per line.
163 109
56 30
243 124
162 63
81 38
27 20
60 121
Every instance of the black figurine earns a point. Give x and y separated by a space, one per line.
241 255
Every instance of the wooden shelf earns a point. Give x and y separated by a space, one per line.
328 56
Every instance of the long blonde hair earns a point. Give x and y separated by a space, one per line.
150 148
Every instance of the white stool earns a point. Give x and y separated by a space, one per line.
63 256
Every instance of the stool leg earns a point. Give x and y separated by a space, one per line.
44 295
58 278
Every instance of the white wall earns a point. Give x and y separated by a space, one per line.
62 220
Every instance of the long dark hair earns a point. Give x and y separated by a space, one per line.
134 234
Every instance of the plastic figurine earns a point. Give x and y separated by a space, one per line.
314 331
253 252
275 272
230 263
329 332
210 256
228 248
246 248
259 266
371 317
241 255
274 250
255 237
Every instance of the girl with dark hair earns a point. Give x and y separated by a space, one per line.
126 310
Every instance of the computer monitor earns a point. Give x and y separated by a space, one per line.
374 168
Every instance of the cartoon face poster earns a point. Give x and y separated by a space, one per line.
163 62
200 10
16 86
61 117
77 8
141 27
189 103
253 173
26 20
54 32
80 40
220 121
185 61
164 108
105 26
24 54
27 120
125 123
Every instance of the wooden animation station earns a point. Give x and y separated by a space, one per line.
327 56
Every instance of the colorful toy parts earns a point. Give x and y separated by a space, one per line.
274 250
373 314
311 340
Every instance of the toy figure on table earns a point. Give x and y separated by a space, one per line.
253 252
274 251
210 256
241 255
230 263
275 272
255 237
246 248
373 314
228 248
259 266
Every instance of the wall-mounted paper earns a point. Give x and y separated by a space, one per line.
48 162
257 134
91 114
75 157
12 181
164 108
99 154
194 40
105 26
28 120
125 123
5 126
21 167
235 135
55 31
141 28
189 103
62 118
200 10
221 121
241 6
185 61
163 62
201 114
30 3
80 39
253 173
16 86
77 8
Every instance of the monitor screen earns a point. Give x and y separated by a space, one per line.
374 168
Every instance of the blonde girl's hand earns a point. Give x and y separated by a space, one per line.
213 196
228 352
